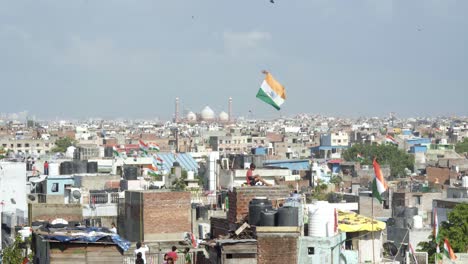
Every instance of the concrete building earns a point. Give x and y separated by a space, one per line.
28 146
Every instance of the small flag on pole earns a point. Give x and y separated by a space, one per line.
448 251
379 185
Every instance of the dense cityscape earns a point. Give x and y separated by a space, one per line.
105 185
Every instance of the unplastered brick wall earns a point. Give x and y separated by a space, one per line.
240 198
277 248
166 212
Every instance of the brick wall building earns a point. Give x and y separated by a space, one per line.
150 215
276 247
240 198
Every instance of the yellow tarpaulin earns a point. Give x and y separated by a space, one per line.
352 222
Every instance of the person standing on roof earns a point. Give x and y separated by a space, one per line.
141 248
252 179
46 168
173 254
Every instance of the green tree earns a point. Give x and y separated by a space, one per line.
455 229
62 144
386 154
462 147
14 252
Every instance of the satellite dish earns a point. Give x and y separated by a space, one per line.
76 194
31 197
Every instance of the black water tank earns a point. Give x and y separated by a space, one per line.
92 167
66 168
287 216
267 218
80 166
108 152
410 212
130 173
202 212
256 206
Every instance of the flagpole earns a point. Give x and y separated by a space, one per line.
372 215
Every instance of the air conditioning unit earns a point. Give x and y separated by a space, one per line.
75 196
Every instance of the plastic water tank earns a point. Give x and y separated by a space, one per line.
410 212
256 206
92 167
190 175
130 173
267 218
80 166
288 216
54 169
417 222
108 152
465 181
66 168
321 219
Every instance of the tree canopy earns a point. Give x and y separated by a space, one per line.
386 154
462 147
455 230
62 144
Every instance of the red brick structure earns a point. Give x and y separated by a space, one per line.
149 213
277 247
240 198
442 175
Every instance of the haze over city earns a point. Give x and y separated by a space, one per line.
77 59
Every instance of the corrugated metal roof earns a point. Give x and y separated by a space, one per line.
185 160
288 164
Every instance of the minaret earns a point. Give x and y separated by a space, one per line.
176 117
230 110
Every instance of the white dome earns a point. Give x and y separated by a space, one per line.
191 116
223 116
207 113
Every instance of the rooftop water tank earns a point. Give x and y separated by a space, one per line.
267 218
92 167
54 169
256 206
130 173
465 181
190 175
80 166
321 219
287 216
417 222
66 168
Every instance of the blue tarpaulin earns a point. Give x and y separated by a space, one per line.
88 234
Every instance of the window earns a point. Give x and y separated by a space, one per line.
18 145
4 145
26 145
37 145
311 250
55 187
46 144
417 200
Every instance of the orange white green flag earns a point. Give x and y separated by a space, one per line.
271 91
379 185
448 251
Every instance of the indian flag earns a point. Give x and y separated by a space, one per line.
413 255
391 139
153 146
116 153
379 185
448 251
359 157
272 92
157 161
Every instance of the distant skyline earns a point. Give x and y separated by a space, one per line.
131 59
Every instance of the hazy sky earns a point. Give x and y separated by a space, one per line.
131 58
